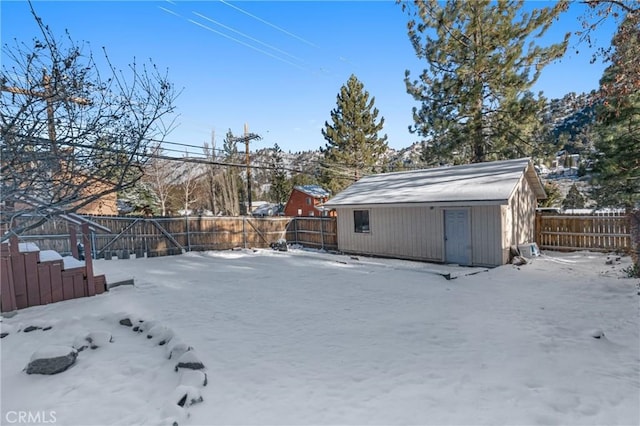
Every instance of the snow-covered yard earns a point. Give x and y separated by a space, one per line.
306 338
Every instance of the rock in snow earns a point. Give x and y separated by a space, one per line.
160 334
193 378
185 396
80 344
189 360
97 339
126 322
176 349
52 360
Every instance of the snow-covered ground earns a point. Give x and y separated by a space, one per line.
307 338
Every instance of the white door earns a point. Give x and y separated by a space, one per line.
457 237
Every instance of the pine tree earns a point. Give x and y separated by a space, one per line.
574 199
475 100
354 147
617 166
553 195
280 185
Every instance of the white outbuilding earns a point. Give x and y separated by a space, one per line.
468 215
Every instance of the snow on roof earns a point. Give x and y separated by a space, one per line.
480 182
313 190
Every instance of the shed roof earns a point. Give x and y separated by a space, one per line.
492 182
315 191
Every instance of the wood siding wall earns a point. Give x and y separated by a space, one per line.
404 232
298 201
417 233
519 218
486 231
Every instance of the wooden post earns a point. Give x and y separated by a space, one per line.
7 291
19 274
88 261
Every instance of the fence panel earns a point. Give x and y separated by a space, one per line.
602 232
316 232
162 236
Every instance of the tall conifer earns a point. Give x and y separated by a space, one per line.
475 97
354 147
617 166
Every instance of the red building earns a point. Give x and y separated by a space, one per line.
307 200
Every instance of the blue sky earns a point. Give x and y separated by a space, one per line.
275 65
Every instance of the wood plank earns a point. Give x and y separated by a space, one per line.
31 270
19 280
100 282
7 293
67 284
44 278
56 282
79 286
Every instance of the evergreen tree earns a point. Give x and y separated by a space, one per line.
280 185
354 147
481 62
617 165
553 195
574 199
304 179
139 200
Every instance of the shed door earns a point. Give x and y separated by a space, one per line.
457 237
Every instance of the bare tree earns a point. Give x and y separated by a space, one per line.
187 185
160 175
72 131
211 174
228 181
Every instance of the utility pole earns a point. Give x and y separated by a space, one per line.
50 96
246 139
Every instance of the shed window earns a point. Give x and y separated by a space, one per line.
308 201
361 220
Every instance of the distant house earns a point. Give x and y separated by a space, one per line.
105 205
468 215
307 200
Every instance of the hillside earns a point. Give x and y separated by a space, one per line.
569 118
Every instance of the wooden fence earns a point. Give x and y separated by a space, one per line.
603 232
152 237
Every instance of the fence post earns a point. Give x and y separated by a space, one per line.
322 233
295 228
88 262
244 232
